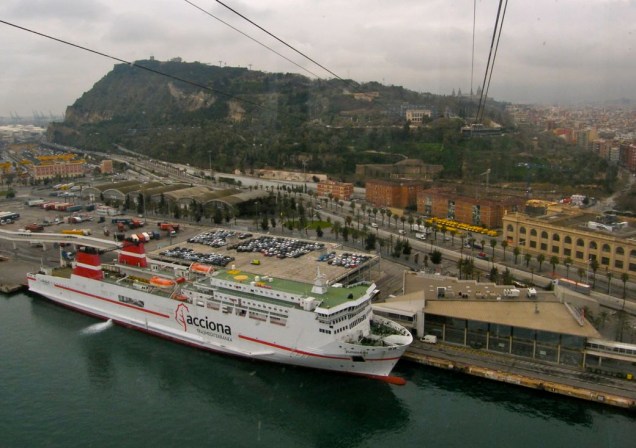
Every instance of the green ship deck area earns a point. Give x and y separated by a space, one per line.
335 295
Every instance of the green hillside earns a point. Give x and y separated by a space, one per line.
249 119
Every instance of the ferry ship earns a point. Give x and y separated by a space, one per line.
231 311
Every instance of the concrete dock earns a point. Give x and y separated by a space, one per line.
551 378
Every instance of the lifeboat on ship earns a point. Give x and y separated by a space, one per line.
201 268
161 282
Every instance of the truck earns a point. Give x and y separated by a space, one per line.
62 206
429 339
135 223
83 232
168 226
35 202
511 292
125 221
34 227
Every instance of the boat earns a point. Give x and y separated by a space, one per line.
232 312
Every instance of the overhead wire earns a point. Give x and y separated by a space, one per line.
251 38
133 64
349 83
503 16
494 45
278 39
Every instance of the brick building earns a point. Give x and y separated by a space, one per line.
393 193
627 156
107 167
446 203
338 190
74 168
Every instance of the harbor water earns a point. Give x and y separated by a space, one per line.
69 380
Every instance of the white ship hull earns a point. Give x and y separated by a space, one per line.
195 324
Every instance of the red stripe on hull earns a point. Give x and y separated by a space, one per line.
301 352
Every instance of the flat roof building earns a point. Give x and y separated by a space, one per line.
538 325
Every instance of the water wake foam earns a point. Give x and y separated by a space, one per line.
98 328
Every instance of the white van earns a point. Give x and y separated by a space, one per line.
429 339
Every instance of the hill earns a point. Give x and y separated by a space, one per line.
250 119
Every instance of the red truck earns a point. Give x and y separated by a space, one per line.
34 227
168 227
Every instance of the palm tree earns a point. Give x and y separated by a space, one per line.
382 212
516 251
504 245
336 228
453 232
554 261
411 221
402 220
609 282
427 225
624 278
594 266
395 218
567 262
581 273
540 259
527 257
493 243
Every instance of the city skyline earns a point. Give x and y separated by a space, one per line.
551 52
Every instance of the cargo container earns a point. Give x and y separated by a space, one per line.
35 202
74 208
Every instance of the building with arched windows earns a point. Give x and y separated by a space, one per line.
573 234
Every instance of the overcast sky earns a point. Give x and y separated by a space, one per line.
551 51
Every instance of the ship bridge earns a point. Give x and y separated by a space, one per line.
49 238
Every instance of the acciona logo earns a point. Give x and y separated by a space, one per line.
182 315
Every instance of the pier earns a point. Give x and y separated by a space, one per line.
557 379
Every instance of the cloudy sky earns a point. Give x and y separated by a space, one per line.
551 51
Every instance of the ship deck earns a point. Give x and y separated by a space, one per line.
334 296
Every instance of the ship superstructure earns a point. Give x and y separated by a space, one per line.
232 311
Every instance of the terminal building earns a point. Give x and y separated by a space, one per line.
542 326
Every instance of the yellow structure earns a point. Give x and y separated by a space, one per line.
582 237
